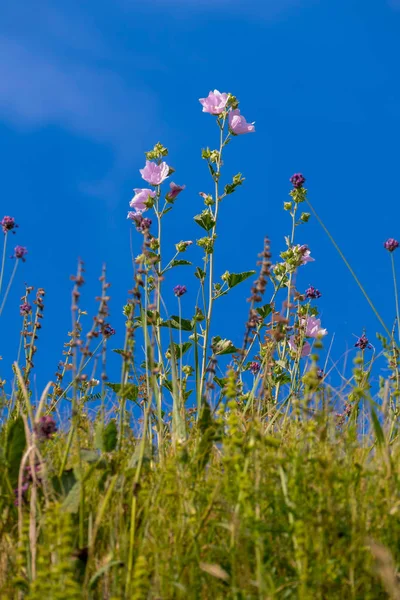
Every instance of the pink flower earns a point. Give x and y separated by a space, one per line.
306 349
305 254
238 124
313 327
215 103
153 173
175 191
140 198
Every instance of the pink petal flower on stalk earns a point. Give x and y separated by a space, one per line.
305 254
313 327
215 103
174 191
140 198
306 349
238 124
153 173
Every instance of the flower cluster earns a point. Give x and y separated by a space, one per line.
217 103
297 180
25 309
8 224
312 293
391 244
20 252
180 290
311 327
363 343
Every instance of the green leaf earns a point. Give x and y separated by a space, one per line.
110 436
103 570
89 456
234 279
64 484
221 346
98 436
200 274
71 502
176 323
205 220
177 350
178 263
380 436
221 381
129 391
16 443
264 311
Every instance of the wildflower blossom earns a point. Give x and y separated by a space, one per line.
8 224
297 180
312 293
305 254
153 173
238 124
254 367
313 327
182 246
140 199
20 252
175 190
179 290
215 103
25 309
391 244
363 343
306 348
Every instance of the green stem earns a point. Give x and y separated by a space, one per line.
9 285
396 294
3 261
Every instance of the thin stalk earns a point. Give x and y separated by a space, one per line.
3 260
396 294
9 285
342 256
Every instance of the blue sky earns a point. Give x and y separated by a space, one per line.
86 88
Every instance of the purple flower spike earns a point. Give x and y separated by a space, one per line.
297 180
8 224
25 309
363 343
179 290
312 293
391 244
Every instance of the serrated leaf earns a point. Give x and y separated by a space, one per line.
129 391
71 502
110 437
264 311
16 443
176 323
205 220
221 346
179 263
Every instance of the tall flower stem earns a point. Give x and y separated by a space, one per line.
212 256
9 285
346 262
3 260
396 294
